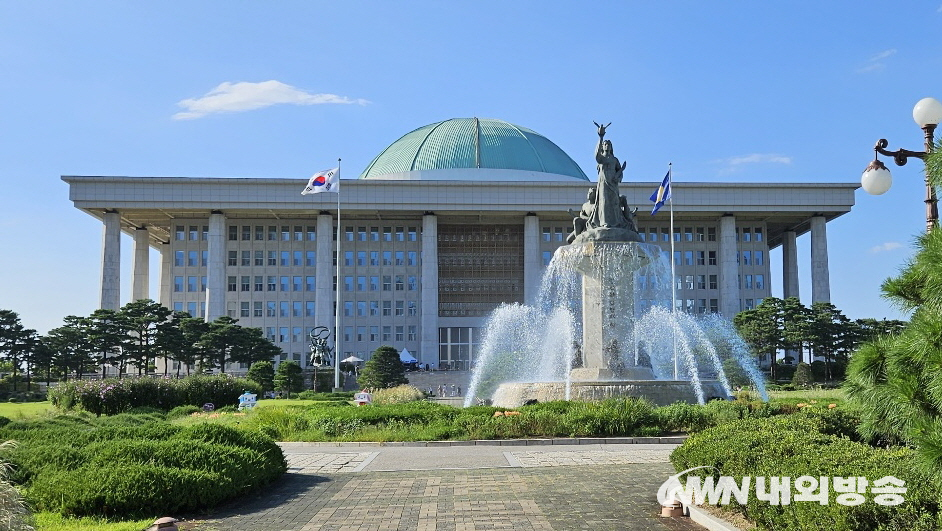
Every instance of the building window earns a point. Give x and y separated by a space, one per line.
760 282
412 333
298 233
387 333
714 306
688 257
348 283
547 256
400 333
232 284
296 284
311 233
259 258
713 282
711 234
547 234
759 260
233 258
400 258
204 258
296 261
203 283
285 233
270 309
309 283
259 232
259 285
272 258
400 308
374 308
245 284
348 308
361 283
246 233
348 258
400 234
272 283
374 333
285 258
748 282
758 233
257 308
746 234
178 258
309 308
246 258
413 309
711 258
361 234
272 232
387 283
374 234
413 283
178 284
688 234
701 282
179 233
400 285
374 283
296 309
244 309
284 283
387 308
374 258
387 258
412 233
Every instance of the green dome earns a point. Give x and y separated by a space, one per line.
473 143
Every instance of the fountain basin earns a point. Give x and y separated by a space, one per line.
660 392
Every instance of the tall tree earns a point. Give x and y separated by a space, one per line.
761 328
145 321
16 341
106 333
383 369
895 378
289 378
71 346
795 325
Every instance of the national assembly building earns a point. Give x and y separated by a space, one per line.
445 224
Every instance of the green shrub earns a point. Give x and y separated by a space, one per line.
127 490
682 417
182 411
111 396
797 445
397 395
802 376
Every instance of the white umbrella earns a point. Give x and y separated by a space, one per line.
351 359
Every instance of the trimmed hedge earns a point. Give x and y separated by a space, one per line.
111 396
811 444
76 466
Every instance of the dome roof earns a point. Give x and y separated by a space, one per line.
471 143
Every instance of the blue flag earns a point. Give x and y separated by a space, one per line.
662 194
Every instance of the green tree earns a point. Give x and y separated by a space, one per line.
828 333
802 377
894 378
16 341
289 377
145 322
262 373
796 318
227 342
384 369
106 333
761 328
71 347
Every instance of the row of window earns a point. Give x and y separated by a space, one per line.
262 283
258 233
380 333
387 235
710 282
401 283
380 308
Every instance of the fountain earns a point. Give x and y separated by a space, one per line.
611 289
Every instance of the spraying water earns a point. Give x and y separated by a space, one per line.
546 342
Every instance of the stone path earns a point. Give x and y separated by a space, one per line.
460 488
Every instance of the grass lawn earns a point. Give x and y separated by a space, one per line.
54 522
23 410
809 394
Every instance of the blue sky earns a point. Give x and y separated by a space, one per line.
794 91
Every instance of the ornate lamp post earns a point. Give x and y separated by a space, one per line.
876 179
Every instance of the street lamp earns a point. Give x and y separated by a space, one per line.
876 179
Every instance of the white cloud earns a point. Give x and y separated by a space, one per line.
884 247
882 55
876 62
734 164
759 158
245 96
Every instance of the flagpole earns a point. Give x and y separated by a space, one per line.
337 387
670 200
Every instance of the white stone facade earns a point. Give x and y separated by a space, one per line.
421 262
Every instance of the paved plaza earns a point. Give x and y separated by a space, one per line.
460 487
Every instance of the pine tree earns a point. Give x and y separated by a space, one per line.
383 370
895 378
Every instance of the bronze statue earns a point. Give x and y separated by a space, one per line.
321 353
605 216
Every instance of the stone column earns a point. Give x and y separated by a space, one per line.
532 261
324 272
729 267
429 304
111 261
820 276
140 265
789 265
166 278
216 267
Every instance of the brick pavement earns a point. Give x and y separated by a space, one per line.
564 489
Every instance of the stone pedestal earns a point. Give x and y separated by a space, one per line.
608 310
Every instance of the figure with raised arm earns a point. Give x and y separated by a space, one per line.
608 211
